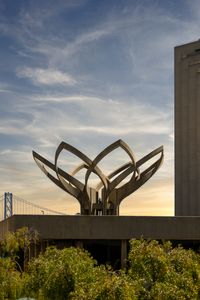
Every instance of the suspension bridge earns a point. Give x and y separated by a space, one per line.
13 205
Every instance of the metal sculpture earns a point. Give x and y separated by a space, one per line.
106 197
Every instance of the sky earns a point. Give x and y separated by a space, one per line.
89 72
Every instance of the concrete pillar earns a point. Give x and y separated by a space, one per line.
123 253
79 244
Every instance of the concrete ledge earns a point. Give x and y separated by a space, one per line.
106 227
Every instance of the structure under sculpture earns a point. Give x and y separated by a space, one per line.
106 197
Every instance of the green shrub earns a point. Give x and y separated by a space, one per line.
164 272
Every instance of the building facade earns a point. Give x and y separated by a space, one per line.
187 129
105 237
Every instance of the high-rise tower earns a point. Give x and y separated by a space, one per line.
187 129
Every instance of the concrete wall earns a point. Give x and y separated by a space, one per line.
187 129
106 227
6 225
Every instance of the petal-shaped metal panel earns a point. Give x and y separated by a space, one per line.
83 157
42 162
129 187
104 153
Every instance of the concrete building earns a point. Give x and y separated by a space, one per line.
105 237
187 129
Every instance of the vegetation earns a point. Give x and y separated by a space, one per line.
154 271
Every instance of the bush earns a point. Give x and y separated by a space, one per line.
72 274
10 280
155 271
164 272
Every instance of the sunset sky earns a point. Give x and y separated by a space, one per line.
89 73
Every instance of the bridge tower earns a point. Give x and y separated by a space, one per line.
8 205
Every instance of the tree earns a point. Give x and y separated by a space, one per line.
11 274
164 272
10 280
72 273
155 271
50 276
16 241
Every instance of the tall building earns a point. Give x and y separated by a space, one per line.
187 129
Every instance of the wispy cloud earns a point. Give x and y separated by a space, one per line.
46 76
81 113
66 99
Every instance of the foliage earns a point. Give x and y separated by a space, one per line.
72 274
19 240
11 277
164 272
155 271
10 280
49 276
117 287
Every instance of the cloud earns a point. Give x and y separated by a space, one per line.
5 88
22 155
46 76
82 113
66 99
59 52
12 126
